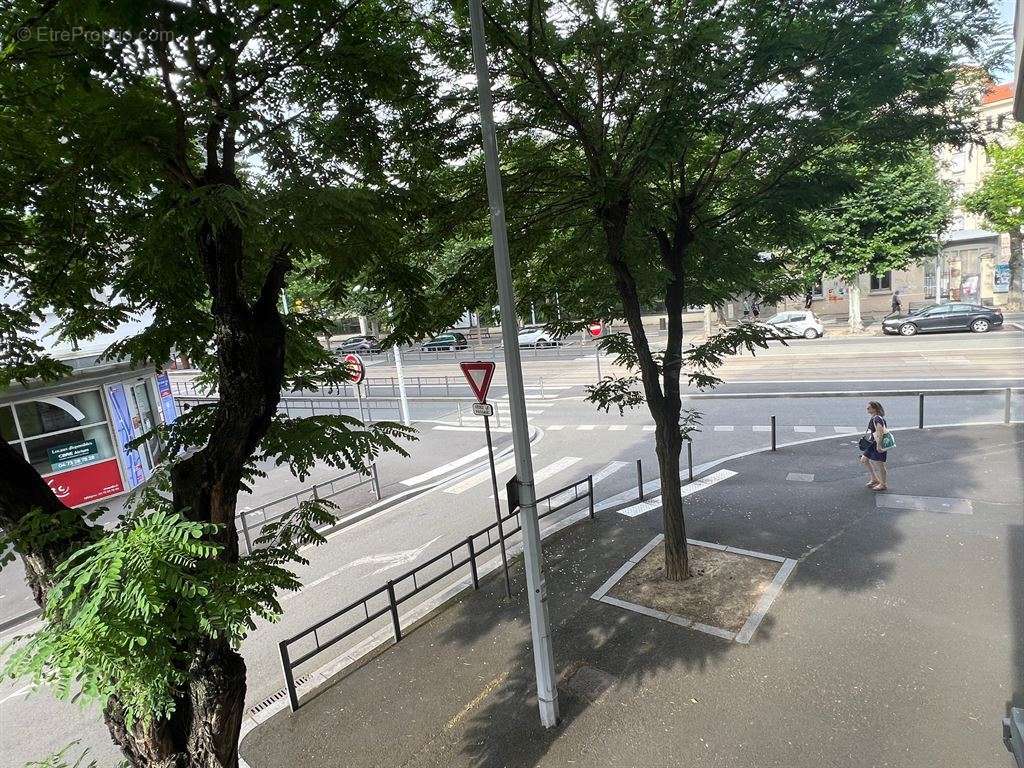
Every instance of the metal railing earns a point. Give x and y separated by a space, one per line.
253 520
414 386
1006 392
392 594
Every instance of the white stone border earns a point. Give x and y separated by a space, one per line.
753 621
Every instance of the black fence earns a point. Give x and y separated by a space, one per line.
387 598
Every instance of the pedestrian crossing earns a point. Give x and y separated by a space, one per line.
540 475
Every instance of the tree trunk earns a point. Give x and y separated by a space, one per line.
668 446
1015 300
853 295
203 731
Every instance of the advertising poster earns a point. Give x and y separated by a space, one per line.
72 455
86 484
1001 279
125 434
167 406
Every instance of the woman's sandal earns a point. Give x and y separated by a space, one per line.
871 485
880 488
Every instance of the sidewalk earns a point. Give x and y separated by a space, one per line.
897 641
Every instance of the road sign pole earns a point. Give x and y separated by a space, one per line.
497 506
359 400
540 625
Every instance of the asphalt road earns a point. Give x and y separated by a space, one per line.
448 494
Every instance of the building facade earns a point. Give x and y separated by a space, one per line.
973 263
76 431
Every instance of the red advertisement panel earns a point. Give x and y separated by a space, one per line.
87 484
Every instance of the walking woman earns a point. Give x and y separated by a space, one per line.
872 455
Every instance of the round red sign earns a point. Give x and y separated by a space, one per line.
595 329
355 365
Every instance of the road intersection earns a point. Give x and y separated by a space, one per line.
447 473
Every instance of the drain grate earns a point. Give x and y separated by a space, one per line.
275 697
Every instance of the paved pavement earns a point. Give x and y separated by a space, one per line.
897 641
448 488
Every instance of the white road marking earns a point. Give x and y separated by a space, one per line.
687 490
457 428
724 428
387 561
617 428
845 430
19 692
553 469
761 428
444 468
474 480
649 427
800 477
555 427
602 474
805 429
585 427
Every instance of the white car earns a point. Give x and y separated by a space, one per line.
796 323
536 336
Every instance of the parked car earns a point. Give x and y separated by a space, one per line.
954 316
796 323
536 336
446 342
361 345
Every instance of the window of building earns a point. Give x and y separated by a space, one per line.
881 282
59 432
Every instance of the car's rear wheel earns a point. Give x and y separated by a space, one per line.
981 325
908 329
810 333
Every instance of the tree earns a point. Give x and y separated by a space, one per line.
891 219
658 153
1000 199
182 159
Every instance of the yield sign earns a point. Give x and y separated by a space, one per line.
478 374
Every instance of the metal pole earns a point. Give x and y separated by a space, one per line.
289 680
1006 407
773 432
376 480
597 355
689 458
590 493
393 605
920 410
639 480
403 400
540 625
497 506
359 401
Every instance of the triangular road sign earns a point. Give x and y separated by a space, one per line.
479 374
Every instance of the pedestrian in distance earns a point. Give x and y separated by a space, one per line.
874 446
809 298
897 303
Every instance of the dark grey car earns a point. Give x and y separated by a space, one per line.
954 316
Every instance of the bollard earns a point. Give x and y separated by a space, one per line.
590 493
773 432
639 480
920 410
689 457
1006 407
376 480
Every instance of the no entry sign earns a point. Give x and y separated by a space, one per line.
479 374
595 329
355 365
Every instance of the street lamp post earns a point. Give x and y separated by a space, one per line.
540 625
